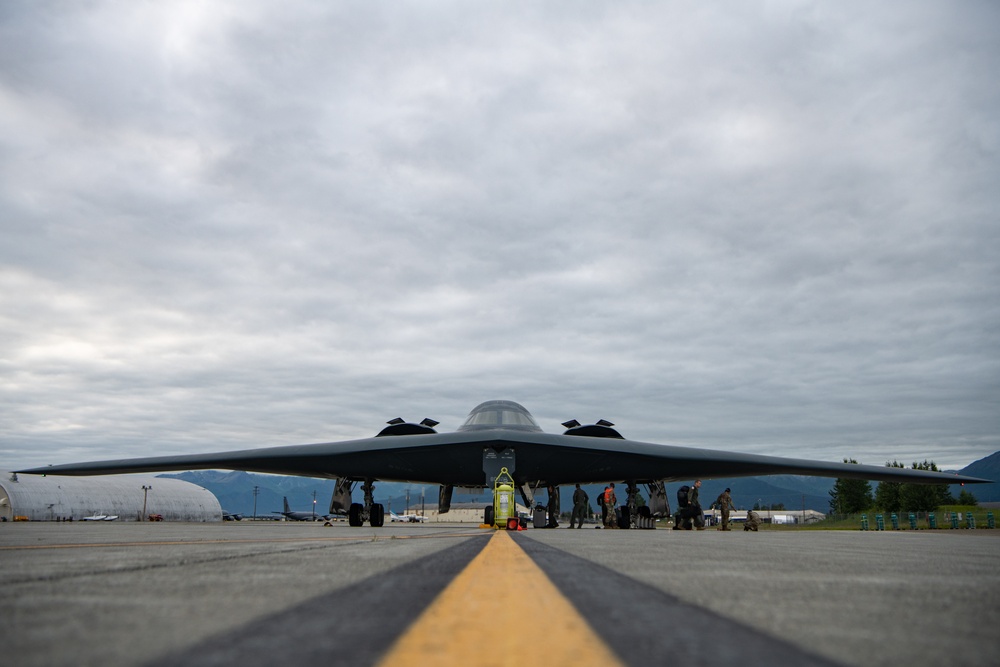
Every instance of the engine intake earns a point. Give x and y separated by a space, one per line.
602 429
399 427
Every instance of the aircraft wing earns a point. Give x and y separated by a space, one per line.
457 459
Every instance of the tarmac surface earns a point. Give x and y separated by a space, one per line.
257 593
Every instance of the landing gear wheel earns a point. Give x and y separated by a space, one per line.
625 520
354 515
377 516
488 515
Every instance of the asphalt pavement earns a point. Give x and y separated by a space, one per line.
251 593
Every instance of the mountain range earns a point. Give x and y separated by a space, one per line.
235 491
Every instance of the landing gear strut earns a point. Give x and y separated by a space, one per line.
630 510
372 512
659 505
634 516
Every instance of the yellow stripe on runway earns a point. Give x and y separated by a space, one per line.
500 610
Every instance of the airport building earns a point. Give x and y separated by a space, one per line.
129 498
714 517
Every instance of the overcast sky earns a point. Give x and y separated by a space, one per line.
768 227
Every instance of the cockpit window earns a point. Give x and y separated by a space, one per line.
499 414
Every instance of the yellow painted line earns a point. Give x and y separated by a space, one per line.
500 610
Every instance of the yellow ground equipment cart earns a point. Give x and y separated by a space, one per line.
503 513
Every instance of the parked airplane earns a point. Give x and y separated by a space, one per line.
300 516
497 435
97 516
407 518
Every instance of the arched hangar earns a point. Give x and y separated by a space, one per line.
58 498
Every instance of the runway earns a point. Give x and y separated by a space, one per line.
257 593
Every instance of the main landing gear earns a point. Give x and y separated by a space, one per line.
370 511
634 515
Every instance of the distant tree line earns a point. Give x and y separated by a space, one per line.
764 506
853 496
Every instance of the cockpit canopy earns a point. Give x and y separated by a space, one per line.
500 414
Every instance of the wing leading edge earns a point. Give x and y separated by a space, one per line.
457 459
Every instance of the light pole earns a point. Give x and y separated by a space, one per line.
407 502
145 490
314 505
256 490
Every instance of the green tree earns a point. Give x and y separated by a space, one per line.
887 493
773 507
924 497
966 498
850 496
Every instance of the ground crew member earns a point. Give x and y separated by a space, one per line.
610 502
682 503
604 508
553 506
724 503
581 506
697 514
753 520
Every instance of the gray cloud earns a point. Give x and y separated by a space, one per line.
758 228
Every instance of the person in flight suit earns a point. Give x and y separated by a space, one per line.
581 503
694 506
553 506
604 508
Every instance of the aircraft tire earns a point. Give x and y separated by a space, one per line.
488 515
354 515
377 518
625 518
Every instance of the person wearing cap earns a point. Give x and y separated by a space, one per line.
725 503
581 505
